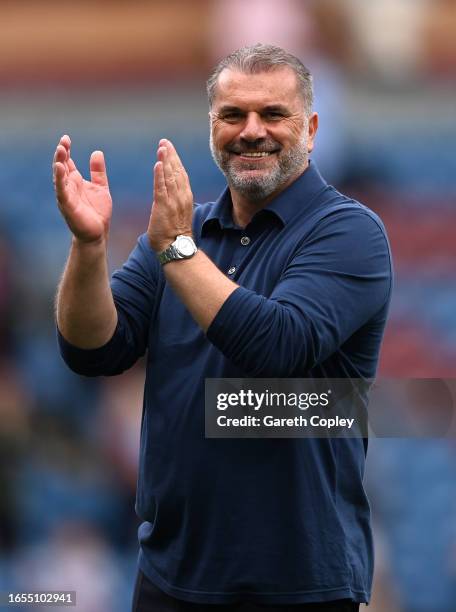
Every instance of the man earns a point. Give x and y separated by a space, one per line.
281 277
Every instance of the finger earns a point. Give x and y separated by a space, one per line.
59 172
60 182
161 153
98 169
171 152
63 155
170 178
161 157
60 154
65 141
59 167
71 165
160 192
176 163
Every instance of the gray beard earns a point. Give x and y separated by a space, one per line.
258 188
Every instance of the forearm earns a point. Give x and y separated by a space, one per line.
259 336
85 310
201 286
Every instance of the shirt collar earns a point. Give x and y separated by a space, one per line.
295 198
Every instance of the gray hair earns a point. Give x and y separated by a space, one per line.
262 58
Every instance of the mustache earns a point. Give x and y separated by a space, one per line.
258 146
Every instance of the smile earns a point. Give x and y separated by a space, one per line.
256 154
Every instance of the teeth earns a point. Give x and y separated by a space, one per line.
256 154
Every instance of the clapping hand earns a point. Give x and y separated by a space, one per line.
172 208
85 205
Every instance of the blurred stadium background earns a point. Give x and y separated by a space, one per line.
118 76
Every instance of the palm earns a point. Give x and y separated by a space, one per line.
89 207
85 205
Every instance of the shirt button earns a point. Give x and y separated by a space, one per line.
232 270
245 240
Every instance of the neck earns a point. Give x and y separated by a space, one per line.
244 207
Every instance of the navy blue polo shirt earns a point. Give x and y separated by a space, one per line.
278 521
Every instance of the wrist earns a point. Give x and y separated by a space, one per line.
96 243
91 247
183 247
162 244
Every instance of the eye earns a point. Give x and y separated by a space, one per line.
232 117
273 115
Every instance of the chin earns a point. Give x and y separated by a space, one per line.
254 189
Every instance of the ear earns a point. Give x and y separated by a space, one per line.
313 127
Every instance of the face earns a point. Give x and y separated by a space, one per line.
261 136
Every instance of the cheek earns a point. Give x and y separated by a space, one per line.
286 136
223 134
296 139
294 133
217 136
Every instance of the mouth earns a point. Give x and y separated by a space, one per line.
255 154
260 151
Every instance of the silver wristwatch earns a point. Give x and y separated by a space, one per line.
182 248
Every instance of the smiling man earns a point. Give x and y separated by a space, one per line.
261 142
282 276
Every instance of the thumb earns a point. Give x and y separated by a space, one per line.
98 169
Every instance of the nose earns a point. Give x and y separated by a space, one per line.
253 128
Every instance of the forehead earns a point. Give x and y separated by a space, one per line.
276 86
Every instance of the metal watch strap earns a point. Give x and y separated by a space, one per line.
169 254
178 250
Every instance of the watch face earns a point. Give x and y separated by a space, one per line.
185 246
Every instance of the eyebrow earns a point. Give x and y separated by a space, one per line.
269 108
277 108
229 109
